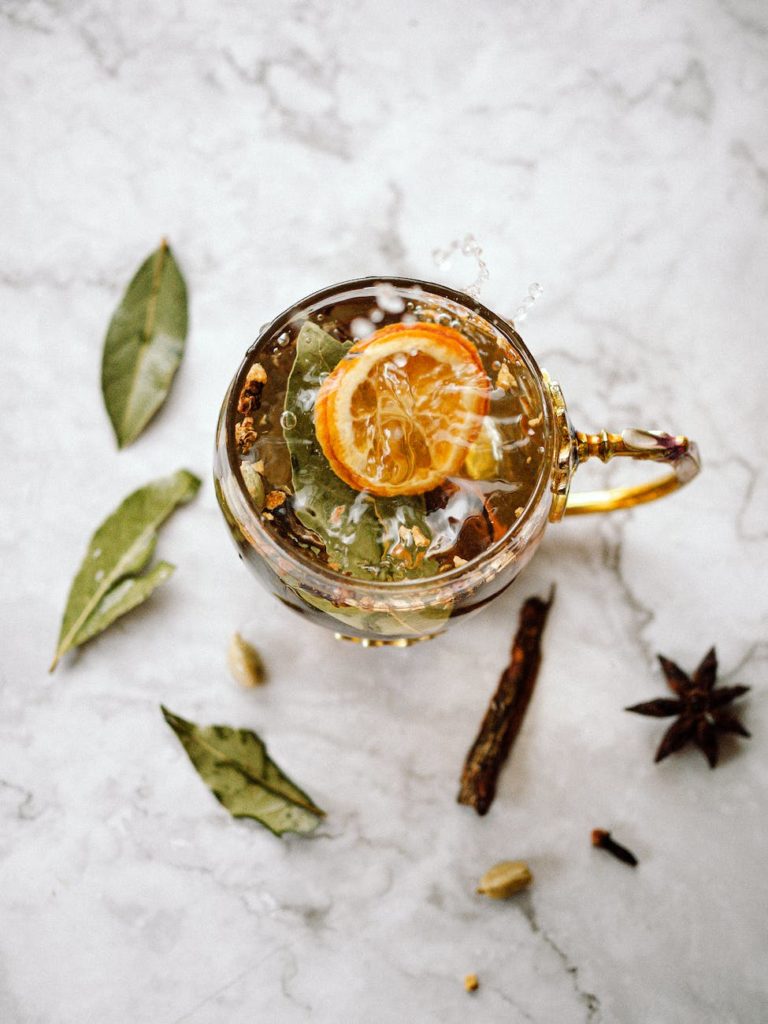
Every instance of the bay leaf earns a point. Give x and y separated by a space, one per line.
107 584
414 623
124 596
144 345
236 767
355 528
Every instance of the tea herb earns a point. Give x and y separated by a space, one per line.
245 662
236 767
144 345
108 583
254 482
471 984
506 711
505 879
255 380
361 534
603 841
275 499
699 707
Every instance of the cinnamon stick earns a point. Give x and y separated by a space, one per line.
506 711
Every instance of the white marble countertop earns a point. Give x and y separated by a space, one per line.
618 154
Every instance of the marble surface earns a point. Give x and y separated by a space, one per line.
618 154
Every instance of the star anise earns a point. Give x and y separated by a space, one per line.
699 708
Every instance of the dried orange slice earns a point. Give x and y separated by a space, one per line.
399 412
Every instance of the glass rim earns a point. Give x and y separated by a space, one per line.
474 566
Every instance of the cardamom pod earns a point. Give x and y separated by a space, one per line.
245 662
253 482
505 879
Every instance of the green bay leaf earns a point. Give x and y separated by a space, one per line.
357 539
412 623
236 767
119 549
144 345
123 597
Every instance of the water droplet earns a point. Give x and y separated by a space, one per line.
535 291
409 318
496 364
388 299
400 359
96 552
376 315
283 339
468 246
287 420
362 327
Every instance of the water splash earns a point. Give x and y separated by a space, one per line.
387 298
362 327
535 291
467 246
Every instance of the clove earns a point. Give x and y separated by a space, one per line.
603 841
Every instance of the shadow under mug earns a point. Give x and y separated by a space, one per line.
400 613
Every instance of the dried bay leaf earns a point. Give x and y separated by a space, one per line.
124 596
236 767
353 526
144 345
413 623
107 584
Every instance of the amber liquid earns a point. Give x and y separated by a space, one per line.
468 512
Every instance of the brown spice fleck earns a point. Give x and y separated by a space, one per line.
245 434
471 984
504 378
275 499
252 388
418 538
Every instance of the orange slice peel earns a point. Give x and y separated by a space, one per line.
398 414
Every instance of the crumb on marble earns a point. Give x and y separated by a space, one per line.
471 984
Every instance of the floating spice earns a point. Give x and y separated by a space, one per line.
507 709
699 709
604 841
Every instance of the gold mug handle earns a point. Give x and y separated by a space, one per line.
678 453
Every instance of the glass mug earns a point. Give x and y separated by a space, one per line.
404 611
